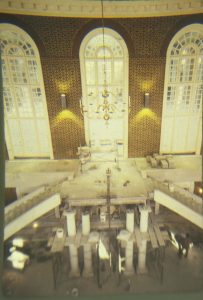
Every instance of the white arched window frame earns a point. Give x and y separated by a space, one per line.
183 92
27 130
92 52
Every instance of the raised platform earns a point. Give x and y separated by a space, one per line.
27 175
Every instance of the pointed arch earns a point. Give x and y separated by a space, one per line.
27 130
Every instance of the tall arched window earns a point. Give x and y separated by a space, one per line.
27 129
183 93
105 53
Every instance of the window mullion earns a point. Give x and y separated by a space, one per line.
20 48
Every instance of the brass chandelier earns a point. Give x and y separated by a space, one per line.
107 107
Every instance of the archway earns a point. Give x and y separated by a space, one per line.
104 66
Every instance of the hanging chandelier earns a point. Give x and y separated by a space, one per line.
106 107
110 102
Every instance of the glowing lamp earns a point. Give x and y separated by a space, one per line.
35 225
63 101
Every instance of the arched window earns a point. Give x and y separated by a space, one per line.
27 129
104 61
183 93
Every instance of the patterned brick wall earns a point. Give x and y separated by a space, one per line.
146 75
67 131
147 39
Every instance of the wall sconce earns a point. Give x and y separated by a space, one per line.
63 101
146 100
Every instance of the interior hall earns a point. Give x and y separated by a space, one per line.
102 114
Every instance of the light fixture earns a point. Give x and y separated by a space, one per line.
35 225
63 101
105 103
146 100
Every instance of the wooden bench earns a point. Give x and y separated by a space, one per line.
159 235
137 236
153 238
157 231
153 162
164 164
171 163
164 161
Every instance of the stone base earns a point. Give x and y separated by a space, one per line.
74 274
129 272
87 274
142 271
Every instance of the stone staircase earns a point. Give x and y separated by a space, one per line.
24 204
181 201
30 207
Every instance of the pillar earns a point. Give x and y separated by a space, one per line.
57 212
87 271
142 250
144 215
71 226
157 206
130 220
19 193
85 223
129 268
73 252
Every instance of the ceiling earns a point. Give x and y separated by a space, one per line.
92 8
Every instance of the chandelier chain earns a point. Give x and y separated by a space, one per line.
103 38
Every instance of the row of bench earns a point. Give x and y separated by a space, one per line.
163 161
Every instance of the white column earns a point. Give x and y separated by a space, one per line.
71 227
144 214
156 210
87 271
73 252
142 250
85 223
57 212
130 220
129 268
18 192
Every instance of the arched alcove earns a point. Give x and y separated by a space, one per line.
104 64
